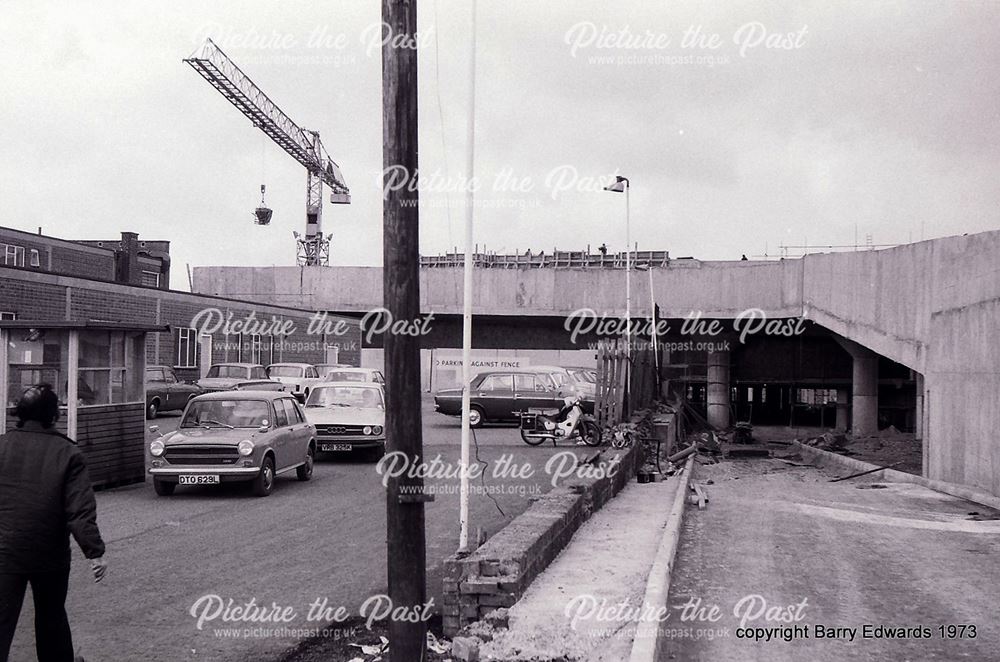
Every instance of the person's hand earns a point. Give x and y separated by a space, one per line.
99 567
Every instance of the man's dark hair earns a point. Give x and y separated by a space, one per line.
38 403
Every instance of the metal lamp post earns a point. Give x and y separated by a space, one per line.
621 185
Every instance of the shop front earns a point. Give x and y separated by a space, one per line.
98 371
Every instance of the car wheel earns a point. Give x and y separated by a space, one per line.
153 409
475 417
305 472
263 484
163 488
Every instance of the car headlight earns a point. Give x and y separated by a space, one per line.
376 430
156 448
245 447
367 429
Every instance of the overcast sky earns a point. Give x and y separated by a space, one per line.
809 122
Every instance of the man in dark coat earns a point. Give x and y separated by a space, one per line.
45 495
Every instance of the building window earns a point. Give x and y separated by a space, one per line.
8 316
13 256
109 368
36 261
34 357
187 348
256 348
150 278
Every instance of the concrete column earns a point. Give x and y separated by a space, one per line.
718 390
918 413
864 404
843 409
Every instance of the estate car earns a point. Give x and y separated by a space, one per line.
497 395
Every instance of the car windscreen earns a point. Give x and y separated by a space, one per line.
584 376
284 371
346 396
227 371
342 376
226 414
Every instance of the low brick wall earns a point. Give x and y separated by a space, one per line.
498 573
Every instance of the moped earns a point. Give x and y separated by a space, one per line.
569 423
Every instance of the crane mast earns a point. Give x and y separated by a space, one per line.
302 144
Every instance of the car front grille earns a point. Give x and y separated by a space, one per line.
201 455
338 430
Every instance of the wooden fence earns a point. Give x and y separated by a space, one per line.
623 386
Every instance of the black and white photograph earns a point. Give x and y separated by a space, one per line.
478 331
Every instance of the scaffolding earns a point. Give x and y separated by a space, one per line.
555 260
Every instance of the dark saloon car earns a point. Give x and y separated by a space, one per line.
497 395
164 392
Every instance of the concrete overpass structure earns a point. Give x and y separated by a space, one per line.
933 306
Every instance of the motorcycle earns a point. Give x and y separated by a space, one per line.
571 422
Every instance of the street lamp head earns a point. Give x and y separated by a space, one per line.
621 183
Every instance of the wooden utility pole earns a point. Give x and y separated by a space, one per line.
401 291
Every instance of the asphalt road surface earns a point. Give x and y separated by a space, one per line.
781 547
324 539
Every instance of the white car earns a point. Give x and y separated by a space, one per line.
355 375
348 416
299 378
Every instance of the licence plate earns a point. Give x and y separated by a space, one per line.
198 480
334 447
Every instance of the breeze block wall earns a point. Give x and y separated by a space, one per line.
498 573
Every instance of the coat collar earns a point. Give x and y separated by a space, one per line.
35 426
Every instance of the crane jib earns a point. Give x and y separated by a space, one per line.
301 144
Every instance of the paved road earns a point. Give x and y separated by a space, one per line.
321 539
902 556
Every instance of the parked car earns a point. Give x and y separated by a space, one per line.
298 377
586 380
497 395
348 416
569 383
325 368
164 392
227 376
234 436
355 375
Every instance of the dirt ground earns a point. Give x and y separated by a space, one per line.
887 447
853 570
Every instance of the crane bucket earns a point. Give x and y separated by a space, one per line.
262 216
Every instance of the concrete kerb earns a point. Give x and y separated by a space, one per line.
826 458
646 643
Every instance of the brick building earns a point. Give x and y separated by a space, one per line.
125 260
95 311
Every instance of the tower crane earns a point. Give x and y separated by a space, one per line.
302 144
